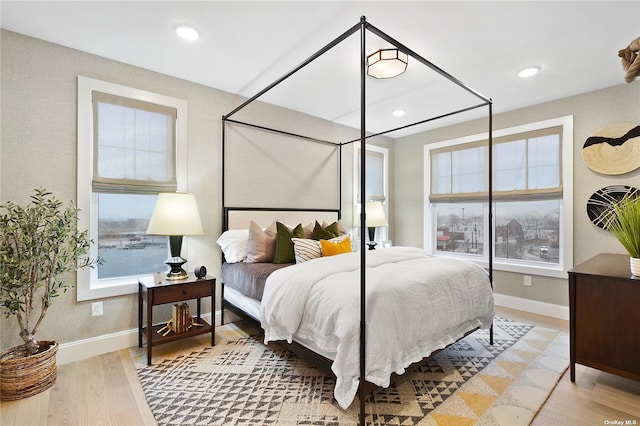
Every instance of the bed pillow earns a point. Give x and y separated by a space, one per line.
284 245
261 244
305 249
338 226
234 244
325 232
331 248
308 230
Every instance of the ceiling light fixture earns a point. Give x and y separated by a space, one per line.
398 113
187 32
387 63
528 72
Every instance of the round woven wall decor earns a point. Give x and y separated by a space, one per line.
613 150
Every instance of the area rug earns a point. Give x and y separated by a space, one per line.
240 381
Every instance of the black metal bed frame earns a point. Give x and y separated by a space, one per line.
362 28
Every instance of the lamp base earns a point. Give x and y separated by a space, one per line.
372 236
176 272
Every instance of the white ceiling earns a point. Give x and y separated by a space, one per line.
245 46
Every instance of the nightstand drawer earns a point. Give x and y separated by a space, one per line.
176 293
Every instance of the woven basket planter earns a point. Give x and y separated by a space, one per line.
23 376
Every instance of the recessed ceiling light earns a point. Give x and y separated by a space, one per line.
398 113
187 32
529 71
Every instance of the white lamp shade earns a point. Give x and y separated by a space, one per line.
375 215
175 214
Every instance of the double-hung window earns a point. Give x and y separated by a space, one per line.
532 195
377 184
129 150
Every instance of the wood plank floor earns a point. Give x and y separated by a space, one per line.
104 390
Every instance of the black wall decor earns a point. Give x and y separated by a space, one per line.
599 205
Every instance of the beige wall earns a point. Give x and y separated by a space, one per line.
38 145
591 112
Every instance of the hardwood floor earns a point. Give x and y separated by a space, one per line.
596 397
104 390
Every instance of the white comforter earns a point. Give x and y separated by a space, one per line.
416 304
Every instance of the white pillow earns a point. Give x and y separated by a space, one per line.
234 244
306 249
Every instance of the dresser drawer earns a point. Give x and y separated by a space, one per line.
176 293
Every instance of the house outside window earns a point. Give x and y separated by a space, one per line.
130 148
532 194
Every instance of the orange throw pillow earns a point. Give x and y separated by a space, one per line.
330 249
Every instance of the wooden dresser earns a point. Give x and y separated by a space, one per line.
604 307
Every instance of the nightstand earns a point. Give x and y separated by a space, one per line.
166 291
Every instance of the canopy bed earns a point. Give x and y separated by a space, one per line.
309 301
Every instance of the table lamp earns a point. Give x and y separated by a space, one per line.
375 217
175 215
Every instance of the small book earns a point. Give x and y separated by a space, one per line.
176 318
186 317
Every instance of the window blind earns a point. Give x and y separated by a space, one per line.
526 165
134 145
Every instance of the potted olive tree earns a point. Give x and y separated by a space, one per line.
625 225
39 243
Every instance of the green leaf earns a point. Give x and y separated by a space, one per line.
625 225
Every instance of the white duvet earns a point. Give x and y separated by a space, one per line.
416 304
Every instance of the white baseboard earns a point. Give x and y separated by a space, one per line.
87 348
532 306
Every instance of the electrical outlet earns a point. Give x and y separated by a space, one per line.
96 309
527 280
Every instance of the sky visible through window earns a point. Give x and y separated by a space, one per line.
120 207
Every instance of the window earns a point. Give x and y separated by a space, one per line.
130 148
377 184
532 194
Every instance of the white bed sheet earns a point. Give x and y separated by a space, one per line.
416 304
252 308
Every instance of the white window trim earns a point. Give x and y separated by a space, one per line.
383 233
88 288
566 224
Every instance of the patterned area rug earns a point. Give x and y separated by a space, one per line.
241 381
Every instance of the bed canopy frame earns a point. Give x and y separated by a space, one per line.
362 28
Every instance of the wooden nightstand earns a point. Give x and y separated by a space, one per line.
170 292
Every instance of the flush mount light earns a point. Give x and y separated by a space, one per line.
529 71
187 32
387 63
398 113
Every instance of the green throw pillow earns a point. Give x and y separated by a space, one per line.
284 245
320 233
334 229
